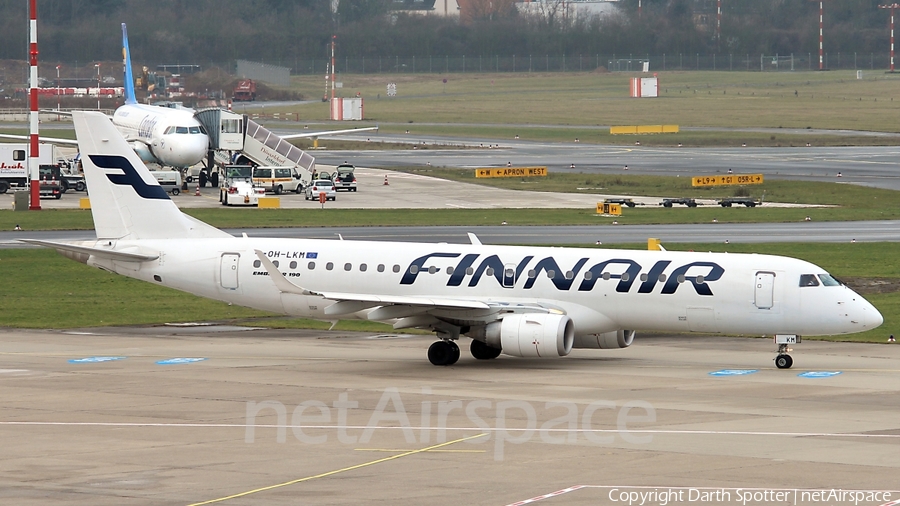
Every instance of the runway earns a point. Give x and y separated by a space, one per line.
106 416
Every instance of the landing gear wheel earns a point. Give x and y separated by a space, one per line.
784 361
443 353
482 351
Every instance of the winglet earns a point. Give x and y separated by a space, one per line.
130 97
474 239
281 282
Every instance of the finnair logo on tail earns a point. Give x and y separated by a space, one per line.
129 176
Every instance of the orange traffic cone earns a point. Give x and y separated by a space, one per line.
385 180
197 192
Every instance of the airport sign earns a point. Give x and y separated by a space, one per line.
511 172
727 180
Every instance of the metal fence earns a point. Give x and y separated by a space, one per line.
589 63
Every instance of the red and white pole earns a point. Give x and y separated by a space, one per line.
718 22
332 67
891 7
33 162
821 58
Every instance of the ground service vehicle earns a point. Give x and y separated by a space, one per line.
244 91
686 201
170 180
740 201
14 166
239 189
318 186
278 179
624 202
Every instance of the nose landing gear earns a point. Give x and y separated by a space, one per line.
783 360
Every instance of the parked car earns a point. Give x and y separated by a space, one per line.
344 178
321 186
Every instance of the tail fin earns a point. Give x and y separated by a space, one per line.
130 97
126 200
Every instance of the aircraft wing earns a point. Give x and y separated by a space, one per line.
326 133
352 302
97 252
52 140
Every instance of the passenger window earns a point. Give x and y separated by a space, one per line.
827 280
311 265
363 267
275 263
450 270
347 267
588 275
551 274
432 270
329 266
489 271
396 268
380 267
469 271
413 269
570 274
532 274
256 263
293 265
808 280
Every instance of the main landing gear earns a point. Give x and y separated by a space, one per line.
783 360
443 352
482 351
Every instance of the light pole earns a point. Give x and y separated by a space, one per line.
891 7
57 89
98 85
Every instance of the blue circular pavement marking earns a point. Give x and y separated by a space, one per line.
819 374
181 360
91 360
733 372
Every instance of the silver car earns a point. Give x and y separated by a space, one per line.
321 186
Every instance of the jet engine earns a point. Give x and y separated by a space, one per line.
606 340
143 151
532 335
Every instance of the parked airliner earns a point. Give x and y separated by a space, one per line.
170 137
515 300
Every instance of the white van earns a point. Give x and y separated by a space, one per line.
278 179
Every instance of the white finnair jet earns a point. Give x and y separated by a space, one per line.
516 300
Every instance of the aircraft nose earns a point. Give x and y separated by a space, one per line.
868 315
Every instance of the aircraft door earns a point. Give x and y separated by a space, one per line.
228 271
764 290
509 275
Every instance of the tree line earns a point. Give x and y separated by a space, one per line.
282 31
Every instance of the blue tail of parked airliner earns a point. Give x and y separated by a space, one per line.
130 97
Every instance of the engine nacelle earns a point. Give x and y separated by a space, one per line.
606 341
537 335
143 151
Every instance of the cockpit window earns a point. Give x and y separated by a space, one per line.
808 280
827 280
170 130
181 130
195 130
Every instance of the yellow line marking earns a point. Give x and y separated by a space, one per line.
427 451
330 473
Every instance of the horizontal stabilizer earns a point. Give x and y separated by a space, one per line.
51 140
97 252
306 135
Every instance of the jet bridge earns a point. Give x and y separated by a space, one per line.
248 141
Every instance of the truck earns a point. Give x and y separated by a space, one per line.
740 201
14 169
238 189
244 91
